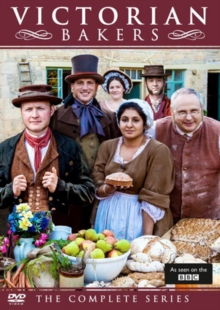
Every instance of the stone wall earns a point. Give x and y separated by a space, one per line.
196 64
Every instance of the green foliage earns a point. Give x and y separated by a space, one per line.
66 264
61 243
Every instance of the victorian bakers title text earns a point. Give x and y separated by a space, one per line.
109 23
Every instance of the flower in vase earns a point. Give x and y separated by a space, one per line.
25 223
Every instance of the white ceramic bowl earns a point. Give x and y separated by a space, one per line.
103 269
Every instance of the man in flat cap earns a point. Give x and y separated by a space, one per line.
42 167
155 83
81 117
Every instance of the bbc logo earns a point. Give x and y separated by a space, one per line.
188 277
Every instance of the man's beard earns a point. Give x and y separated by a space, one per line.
152 93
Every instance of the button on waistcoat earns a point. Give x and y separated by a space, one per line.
35 195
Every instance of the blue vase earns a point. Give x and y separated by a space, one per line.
20 251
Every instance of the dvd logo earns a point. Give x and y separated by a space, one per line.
16 298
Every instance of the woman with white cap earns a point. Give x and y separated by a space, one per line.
144 208
116 84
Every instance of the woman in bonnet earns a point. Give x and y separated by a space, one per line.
144 208
116 84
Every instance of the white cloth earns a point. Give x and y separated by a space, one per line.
120 213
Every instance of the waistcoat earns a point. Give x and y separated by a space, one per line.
196 193
35 195
164 108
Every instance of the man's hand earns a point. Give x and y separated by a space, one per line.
19 185
50 180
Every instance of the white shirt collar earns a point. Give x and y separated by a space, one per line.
189 134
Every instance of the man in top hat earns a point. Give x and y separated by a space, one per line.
155 83
81 117
43 168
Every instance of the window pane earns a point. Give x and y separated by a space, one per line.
54 91
139 72
52 78
169 77
177 86
128 72
168 87
133 74
178 75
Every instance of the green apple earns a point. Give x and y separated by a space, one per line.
101 236
79 240
91 234
104 246
71 249
122 245
97 253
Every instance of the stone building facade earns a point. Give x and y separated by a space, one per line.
195 64
198 69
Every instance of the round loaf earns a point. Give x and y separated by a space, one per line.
119 179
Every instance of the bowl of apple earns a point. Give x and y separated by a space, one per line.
107 255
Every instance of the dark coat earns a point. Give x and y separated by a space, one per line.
75 188
65 122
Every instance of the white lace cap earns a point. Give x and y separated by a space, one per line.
145 107
123 76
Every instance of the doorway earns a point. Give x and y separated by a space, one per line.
135 92
213 99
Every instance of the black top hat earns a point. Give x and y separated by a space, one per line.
154 70
84 66
40 92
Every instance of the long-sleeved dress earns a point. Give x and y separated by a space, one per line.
152 172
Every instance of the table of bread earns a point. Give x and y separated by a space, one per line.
189 241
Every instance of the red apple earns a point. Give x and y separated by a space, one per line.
107 232
111 240
113 253
72 237
87 244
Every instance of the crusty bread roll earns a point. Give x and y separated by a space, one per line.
196 236
119 179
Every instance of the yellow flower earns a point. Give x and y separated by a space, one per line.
22 207
27 215
24 224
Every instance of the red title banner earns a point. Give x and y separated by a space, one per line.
116 24
108 299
